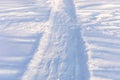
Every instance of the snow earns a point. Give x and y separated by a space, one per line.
59 40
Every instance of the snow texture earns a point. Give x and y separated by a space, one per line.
59 40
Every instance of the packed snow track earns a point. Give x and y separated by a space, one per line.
59 40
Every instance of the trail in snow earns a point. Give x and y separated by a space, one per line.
61 52
28 28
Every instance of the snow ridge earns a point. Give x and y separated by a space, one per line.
61 53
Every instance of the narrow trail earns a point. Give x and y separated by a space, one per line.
61 53
42 41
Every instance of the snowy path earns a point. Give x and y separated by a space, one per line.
44 40
57 58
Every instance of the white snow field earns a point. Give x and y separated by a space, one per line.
59 39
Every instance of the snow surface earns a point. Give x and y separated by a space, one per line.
60 40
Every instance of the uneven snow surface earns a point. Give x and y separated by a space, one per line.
59 39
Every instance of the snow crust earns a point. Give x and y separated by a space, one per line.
59 40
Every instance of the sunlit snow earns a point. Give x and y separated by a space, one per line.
59 39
